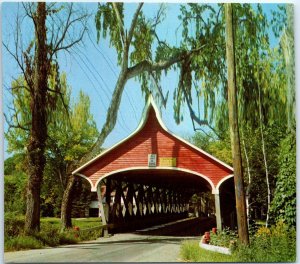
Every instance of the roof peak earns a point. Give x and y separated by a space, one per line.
145 115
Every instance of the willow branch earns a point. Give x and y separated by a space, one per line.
133 24
120 22
147 66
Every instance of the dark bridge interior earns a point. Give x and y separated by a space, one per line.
137 199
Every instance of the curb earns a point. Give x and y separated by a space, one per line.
217 249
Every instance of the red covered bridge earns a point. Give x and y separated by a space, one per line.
153 172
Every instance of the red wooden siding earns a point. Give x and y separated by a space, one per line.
152 138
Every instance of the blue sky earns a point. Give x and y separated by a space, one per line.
93 68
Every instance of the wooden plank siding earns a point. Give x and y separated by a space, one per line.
153 138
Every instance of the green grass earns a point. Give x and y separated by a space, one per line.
21 243
191 252
49 235
82 223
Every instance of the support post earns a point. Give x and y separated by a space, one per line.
101 209
107 199
218 211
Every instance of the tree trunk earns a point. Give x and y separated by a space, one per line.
265 156
66 205
249 183
38 133
234 129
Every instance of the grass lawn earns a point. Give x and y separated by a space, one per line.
82 223
191 252
49 235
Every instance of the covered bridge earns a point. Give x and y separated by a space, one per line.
153 172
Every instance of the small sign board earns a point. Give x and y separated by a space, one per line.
167 162
151 160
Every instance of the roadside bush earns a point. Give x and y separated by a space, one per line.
224 238
13 224
275 244
90 233
21 242
48 235
15 192
67 238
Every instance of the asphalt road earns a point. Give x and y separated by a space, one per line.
155 244
126 247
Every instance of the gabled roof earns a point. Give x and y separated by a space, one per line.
142 123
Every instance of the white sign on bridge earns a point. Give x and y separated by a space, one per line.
151 160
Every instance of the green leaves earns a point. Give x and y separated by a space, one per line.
216 147
71 137
142 41
284 202
107 23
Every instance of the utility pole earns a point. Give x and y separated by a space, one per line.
234 129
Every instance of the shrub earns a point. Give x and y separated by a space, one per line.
22 242
223 238
13 224
15 193
48 235
90 233
275 244
67 238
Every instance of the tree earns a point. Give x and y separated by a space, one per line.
200 60
219 148
69 140
134 53
284 203
202 38
38 130
234 129
71 133
287 45
35 64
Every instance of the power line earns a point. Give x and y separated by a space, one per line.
92 72
94 86
110 65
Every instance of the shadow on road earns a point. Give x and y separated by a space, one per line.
135 241
190 227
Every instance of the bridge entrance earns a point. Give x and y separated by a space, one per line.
155 176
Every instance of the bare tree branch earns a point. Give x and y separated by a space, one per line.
17 124
157 19
17 59
60 40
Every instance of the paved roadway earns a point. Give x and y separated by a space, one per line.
118 248
155 244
